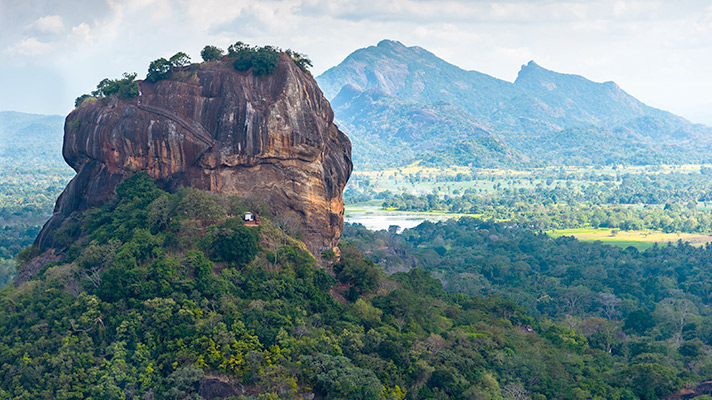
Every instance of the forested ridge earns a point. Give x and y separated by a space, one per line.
649 306
163 296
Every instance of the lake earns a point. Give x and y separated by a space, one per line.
375 218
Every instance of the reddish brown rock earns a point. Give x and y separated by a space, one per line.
270 137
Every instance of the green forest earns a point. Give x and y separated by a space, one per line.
169 295
636 306
33 176
161 295
669 201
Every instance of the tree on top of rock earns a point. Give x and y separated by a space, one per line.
211 53
159 69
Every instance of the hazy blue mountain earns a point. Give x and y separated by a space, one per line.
386 129
401 103
414 73
26 137
398 102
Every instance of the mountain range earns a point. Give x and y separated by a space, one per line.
401 104
25 137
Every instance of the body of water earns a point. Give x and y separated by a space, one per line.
375 218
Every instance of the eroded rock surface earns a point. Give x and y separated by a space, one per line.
270 137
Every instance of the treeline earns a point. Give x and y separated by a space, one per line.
563 208
645 309
653 186
160 294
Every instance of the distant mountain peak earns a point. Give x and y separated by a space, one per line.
400 70
395 45
391 43
377 91
532 69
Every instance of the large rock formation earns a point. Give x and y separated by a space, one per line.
270 137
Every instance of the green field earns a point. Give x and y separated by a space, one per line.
641 240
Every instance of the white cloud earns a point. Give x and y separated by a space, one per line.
649 47
515 54
82 30
30 47
50 24
503 11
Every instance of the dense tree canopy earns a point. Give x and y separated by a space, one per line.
138 310
646 309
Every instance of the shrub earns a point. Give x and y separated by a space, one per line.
27 254
162 68
159 69
328 254
265 60
652 381
302 61
354 267
81 99
211 53
232 242
125 88
262 60
234 49
201 205
180 59
337 378
243 60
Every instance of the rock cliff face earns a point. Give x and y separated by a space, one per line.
270 137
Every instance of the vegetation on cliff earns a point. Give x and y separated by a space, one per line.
164 296
125 87
261 60
162 68
211 53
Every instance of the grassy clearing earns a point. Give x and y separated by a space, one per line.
638 239
641 240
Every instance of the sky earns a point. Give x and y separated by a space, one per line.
52 51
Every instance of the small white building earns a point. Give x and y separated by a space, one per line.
249 216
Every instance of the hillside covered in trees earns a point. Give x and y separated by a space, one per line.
164 297
169 295
639 307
